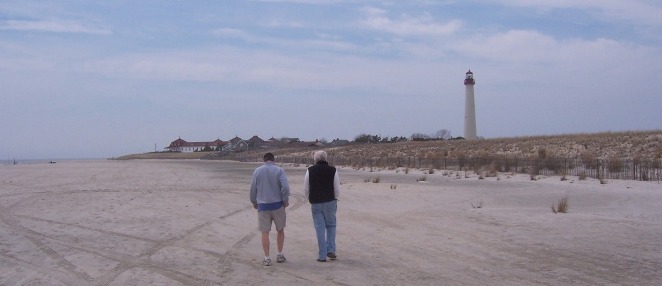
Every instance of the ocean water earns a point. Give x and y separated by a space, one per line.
17 161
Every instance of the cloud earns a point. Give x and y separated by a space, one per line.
513 45
633 11
531 47
285 24
230 32
324 42
158 66
310 2
424 25
52 26
604 61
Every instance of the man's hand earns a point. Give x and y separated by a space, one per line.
255 206
286 204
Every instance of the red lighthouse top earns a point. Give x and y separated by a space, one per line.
469 79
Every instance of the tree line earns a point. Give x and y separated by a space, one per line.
441 134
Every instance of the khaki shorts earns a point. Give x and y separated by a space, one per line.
264 219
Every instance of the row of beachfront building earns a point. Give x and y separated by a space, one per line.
237 144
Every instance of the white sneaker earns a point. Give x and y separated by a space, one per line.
266 261
280 258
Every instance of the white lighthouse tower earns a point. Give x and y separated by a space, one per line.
469 107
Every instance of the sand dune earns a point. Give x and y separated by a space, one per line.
189 222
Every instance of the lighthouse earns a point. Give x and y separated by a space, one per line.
469 107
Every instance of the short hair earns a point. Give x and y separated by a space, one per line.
319 156
268 157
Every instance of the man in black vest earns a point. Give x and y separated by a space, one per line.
322 187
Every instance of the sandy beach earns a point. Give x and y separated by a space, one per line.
189 222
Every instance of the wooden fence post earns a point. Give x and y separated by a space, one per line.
634 169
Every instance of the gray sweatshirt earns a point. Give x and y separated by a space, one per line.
269 185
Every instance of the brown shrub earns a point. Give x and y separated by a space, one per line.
615 164
561 206
589 159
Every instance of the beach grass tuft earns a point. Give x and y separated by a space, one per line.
561 206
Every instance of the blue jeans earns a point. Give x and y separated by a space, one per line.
324 219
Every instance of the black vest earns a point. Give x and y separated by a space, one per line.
320 180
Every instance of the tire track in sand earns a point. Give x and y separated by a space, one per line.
125 262
142 260
34 237
231 254
172 274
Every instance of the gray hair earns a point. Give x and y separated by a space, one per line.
319 156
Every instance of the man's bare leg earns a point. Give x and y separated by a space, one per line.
280 240
265 243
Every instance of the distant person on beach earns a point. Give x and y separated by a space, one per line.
270 196
322 187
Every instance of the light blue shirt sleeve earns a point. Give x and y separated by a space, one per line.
253 190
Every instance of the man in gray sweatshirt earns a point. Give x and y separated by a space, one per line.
270 196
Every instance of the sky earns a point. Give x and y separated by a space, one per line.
101 79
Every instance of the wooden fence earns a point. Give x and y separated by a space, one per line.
625 169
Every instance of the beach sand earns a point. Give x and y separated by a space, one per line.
189 222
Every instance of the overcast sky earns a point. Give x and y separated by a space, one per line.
100 79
